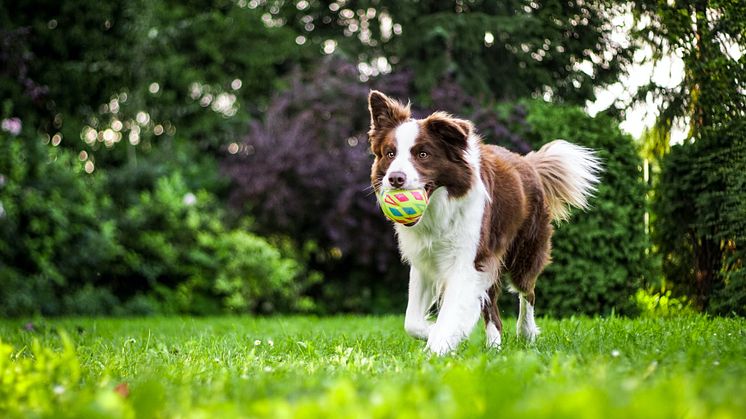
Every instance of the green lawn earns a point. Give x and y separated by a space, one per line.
367 367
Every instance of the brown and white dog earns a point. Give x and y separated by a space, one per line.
490 211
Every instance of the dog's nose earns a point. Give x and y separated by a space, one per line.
397 179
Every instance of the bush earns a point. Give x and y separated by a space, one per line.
66 248
304 172
251 275
657 303
700 228
90 301
599 256
178 246
55 234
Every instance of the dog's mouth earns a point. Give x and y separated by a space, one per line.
429 188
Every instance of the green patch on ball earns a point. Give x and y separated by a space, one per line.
404 206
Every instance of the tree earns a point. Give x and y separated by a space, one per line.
700 246
496 50
132 91
120 78
705 34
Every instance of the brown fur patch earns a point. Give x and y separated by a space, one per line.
516 223
490 313
506 213
445 141
384 142
385 114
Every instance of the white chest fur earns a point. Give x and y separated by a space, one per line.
447 236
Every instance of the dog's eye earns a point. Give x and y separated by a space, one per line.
390 154
423 154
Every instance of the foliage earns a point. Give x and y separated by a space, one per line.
52 237
699 201
496 50
141 70
30 383
599 256
66 250
661 303
700 207
702 33
250 274
177 245
304 172
149 95
141 91
367 367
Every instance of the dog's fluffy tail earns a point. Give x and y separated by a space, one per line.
569 174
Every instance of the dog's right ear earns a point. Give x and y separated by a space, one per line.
385 113
452 132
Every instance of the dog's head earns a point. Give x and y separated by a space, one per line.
417 153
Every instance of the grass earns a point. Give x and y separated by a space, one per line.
683 367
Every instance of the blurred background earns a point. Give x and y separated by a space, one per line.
203 157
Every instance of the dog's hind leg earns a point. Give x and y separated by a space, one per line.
526 325
492 323
525 263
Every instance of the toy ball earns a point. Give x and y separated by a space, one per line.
404 206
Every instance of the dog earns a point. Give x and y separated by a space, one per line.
490 211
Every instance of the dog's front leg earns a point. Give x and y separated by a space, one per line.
459 312
419 302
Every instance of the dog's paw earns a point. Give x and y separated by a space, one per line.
494 338
418 330
441 344
528 331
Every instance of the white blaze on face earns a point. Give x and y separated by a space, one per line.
405 135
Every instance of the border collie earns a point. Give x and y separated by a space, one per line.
490 211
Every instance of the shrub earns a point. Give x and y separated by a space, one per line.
90 301
250 275
599 256
303 171
66 248
178 246
700 228
656 303
55 235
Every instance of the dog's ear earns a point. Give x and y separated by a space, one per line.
454 132
385 113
